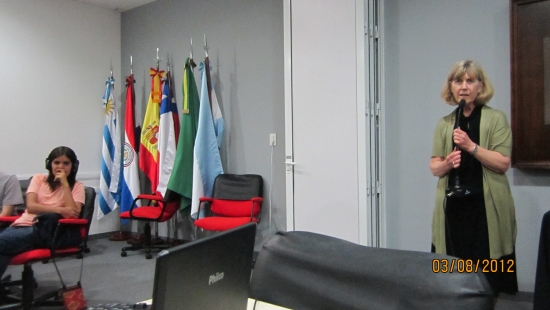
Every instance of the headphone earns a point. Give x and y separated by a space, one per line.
74 168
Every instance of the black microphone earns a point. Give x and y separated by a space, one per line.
461 105
457 190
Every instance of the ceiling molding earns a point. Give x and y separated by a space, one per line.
117 5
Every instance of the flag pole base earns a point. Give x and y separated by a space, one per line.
120 236
175 242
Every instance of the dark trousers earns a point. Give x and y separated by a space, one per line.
15 240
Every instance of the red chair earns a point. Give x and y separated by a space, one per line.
27 300
236 200
158 210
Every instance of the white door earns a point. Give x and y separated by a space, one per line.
325 118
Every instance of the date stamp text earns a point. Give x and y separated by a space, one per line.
472 265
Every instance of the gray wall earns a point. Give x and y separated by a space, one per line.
55 58
422 41
245 39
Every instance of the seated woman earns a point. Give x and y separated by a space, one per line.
57 192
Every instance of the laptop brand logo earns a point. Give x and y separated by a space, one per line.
215 278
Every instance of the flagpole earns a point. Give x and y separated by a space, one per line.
169 76
158 59
207 72
191 49
169 81
123 235
192 64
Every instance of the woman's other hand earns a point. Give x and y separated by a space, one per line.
441 166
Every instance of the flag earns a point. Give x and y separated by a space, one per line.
148 148
174 106
129 188
207 163
167 139
109 196
219 125
181 180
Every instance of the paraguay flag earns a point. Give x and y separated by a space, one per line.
167 139
130 183
207 164
109 196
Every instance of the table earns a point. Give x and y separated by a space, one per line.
260 305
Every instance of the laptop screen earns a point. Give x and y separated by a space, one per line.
209 273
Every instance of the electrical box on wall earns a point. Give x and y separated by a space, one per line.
272 139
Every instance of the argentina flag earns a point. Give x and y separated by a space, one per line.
207 163
111 154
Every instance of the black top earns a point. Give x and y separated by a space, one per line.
470 171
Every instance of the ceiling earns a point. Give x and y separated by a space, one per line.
117 5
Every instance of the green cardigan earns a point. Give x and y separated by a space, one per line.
495 135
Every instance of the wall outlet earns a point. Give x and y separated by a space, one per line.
272 139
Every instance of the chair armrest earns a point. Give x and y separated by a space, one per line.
258 201
9 219
205 204
73 221
82 223
149 197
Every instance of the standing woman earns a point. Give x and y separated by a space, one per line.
478 221
57 192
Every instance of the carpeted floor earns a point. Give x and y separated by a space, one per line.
109 278
106 277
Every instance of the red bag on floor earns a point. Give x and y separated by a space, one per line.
73 297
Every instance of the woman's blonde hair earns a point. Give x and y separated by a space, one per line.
474 70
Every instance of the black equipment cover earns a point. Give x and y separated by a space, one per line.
303 270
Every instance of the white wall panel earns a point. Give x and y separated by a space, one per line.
325 117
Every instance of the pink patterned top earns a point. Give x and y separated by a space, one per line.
40 187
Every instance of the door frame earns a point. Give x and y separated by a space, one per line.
365 207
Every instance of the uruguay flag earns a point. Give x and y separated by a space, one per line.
129 189
167 139
207 164
109 197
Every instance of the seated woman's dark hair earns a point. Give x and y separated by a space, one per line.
60 151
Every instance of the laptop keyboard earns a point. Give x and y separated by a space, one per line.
117 306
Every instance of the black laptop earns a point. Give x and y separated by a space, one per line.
209 273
